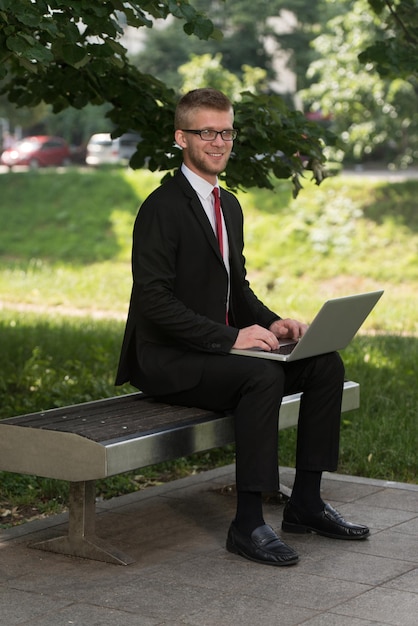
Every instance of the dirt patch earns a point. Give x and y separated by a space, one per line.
17 515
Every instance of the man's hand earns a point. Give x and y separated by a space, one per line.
288 329
256 337
268 339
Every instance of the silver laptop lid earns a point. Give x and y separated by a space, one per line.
335 324
332 329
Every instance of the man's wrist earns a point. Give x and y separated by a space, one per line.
271 327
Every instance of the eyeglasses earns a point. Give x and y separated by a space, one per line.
210 135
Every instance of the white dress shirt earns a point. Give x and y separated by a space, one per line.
204 192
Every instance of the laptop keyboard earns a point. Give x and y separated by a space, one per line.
286 349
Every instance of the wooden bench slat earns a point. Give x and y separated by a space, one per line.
120 417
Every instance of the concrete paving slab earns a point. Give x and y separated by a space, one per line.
183 576
377 518
90 615
407 582
329 619
354 567
395 498
386 606
391 545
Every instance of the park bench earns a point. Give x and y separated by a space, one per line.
94 440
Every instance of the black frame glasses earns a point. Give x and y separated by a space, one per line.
208 134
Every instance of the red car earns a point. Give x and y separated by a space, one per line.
38 151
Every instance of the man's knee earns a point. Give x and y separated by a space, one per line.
266 375
330 367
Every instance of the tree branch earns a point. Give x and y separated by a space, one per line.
410 38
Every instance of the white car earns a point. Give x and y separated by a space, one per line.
102 149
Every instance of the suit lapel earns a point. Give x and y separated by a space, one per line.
200 214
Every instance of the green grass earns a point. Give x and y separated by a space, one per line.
65 280
65 242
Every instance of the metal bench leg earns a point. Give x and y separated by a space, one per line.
285 491
81 540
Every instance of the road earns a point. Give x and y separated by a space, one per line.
370 172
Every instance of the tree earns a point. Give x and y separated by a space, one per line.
22 117
208 70
374 115
69 54
311 15
394 53
247 25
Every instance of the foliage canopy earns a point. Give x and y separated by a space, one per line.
394 53
374 113
69 54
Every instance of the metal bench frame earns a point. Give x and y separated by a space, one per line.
94 440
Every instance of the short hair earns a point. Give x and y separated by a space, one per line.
204 98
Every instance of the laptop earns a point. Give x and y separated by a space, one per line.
332 329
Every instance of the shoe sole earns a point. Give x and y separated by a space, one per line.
288 527
235 550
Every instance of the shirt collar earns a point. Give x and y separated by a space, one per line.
199 184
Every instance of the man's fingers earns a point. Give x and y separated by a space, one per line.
256 337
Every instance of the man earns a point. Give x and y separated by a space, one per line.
191 303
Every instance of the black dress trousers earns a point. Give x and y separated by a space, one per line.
253 389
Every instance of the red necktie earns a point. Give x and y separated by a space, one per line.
219 232
218 216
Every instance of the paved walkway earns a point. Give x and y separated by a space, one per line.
182 574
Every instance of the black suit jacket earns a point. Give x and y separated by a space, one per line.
180 285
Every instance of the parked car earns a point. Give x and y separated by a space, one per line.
37 151
102 149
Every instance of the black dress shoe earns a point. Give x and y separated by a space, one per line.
263 546
328 523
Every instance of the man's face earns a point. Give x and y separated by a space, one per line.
206 158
